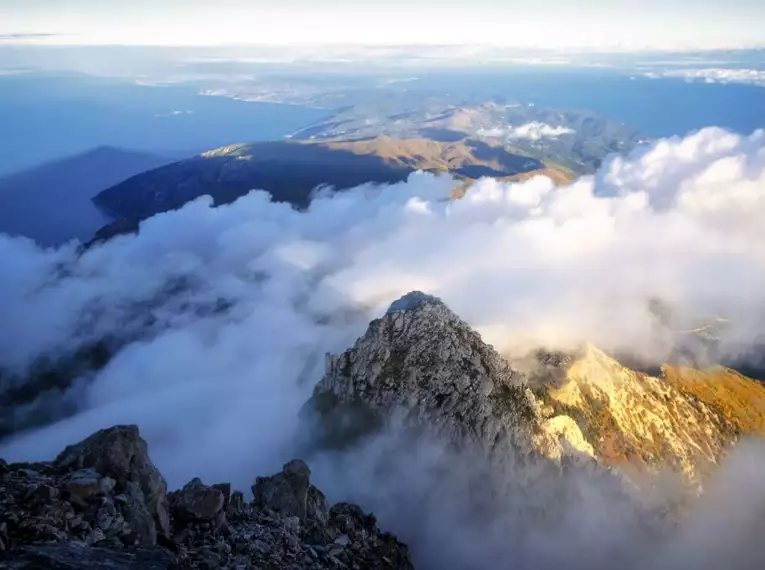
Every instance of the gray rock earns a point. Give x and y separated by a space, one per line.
290 493
197 501
41 529
138 516
236 503
73 556
81 486
422 361
121 454
224 488
292 524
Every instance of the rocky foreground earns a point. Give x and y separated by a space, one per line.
103 504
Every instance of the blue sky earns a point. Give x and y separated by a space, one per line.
614 24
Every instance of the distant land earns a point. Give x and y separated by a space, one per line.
292 170
381 144
579 140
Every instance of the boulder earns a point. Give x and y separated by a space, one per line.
290 493
197 501
82 486
120 453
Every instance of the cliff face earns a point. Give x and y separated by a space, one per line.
424 366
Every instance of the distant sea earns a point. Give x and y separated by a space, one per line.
44 117
655 107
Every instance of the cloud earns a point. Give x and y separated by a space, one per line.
20 37
224 314
532 131
715 75
175 113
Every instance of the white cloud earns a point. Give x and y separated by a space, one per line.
552 24
173 114
535 131
532 131
228 311
714 75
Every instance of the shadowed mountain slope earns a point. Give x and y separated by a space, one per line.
291 171
52 202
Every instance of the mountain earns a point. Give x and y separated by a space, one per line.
51 203
524 447
425 366
103 504
291 171
553 460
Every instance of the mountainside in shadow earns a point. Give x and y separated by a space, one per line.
51 203
291 171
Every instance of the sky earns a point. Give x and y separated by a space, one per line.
554 24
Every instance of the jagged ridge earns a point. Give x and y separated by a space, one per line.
103 504
420 362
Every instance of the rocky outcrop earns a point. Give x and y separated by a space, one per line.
102 504
287 525
424 365
291 494
104 490
120 456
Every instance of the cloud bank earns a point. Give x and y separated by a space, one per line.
715 75
224 314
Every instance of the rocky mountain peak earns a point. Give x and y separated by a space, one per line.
415 300
424 366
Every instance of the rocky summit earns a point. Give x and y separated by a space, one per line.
551 429
101 504
424 366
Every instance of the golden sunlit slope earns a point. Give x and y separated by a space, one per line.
682 422
466 159
469 159
740 399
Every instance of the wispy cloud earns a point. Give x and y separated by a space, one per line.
23 37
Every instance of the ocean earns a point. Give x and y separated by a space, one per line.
44 117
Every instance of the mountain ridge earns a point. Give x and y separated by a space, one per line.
292 170
423 361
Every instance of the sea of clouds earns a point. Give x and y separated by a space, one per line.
224 314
